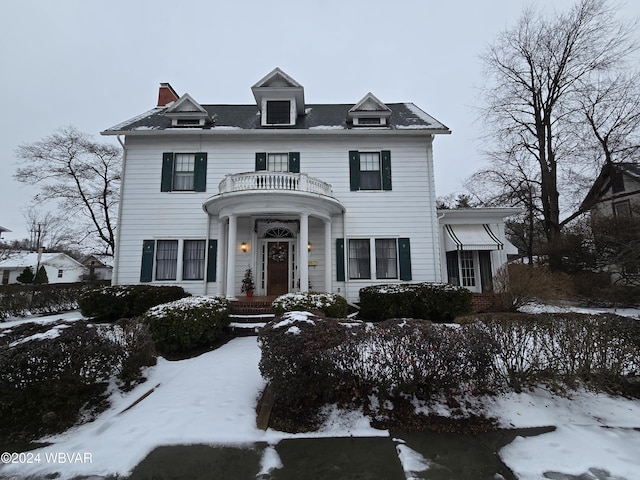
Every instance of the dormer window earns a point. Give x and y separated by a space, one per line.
369 112
280 99
279 112
186 112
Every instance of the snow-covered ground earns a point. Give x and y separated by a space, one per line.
211 399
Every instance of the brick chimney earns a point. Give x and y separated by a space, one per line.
166 94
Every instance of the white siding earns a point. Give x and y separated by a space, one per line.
408 210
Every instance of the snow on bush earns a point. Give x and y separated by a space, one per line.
330 304
187 323
437 302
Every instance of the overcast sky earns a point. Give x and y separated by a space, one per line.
94 64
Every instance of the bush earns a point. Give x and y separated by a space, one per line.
188 323
564 350
22 300
107 304
330 304
520 284
435 302
311 361
53 375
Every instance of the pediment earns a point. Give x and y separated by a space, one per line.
278 79
186 105
370 103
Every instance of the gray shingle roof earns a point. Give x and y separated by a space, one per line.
404 116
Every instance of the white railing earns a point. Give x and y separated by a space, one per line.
263 180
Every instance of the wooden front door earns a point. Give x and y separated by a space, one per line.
277 268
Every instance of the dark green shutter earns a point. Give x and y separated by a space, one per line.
340 259
146 268
404 253
294 162
261 161
200 172
386 170
354 170
167 172
212 260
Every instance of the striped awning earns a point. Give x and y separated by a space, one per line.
471 237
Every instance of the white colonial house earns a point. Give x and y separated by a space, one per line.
323 197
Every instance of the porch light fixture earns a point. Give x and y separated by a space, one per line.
244 247
309 246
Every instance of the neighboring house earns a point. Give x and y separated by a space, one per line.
2 230
474 245
60 267
98 267
616 193
323 197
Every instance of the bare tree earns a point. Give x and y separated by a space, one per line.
79 173
536 70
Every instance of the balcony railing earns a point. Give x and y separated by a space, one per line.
263 180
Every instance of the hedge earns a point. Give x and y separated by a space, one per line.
108 304
330 304
430 301
188 323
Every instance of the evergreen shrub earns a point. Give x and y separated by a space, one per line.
108 304
187 323
430 301
330 304
56 374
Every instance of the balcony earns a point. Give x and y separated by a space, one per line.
264 192
300 182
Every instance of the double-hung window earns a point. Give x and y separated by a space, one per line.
359 258
370 170
166 259
278 162
184 172
386 258
193 256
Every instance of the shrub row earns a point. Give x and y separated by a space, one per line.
565 349
330 304
22 300
429 301
55 374
108 304
310 361
187 323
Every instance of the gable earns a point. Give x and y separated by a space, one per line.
187 112
369 111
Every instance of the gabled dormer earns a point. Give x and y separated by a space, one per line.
186 112
369 112
280 99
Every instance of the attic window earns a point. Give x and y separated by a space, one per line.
278 112
368 121
188 122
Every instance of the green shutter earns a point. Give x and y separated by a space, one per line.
340 259
167 172
212 262
261 161
386 170
294 162
146 268
354 170
404 253
200 172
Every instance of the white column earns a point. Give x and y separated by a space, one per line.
231 257
304 253
221 260
328 256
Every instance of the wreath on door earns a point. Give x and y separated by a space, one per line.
278 253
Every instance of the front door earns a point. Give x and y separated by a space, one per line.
277 268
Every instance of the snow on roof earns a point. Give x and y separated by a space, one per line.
30 259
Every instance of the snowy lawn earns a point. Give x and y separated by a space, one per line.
211 399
